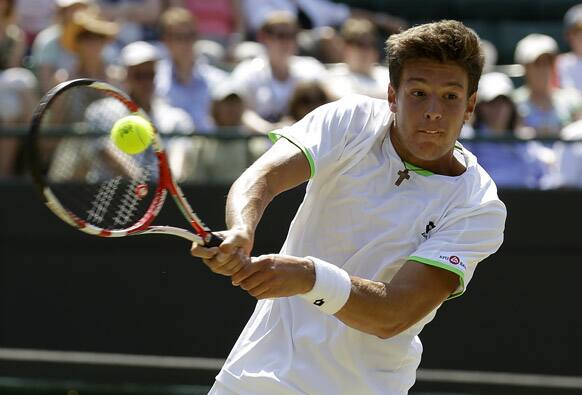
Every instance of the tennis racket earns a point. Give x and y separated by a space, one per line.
91 184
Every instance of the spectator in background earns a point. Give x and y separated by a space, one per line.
12 39
86 38
316 13
137 18
543 107
569 65
139 61
511 164
360 72
18 88
181 79
219 160
35 16
218 20
48 53
307 96
569 153
267 82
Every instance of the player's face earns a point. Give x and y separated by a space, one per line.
431 105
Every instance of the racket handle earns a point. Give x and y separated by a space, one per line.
214 241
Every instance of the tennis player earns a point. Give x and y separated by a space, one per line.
396 216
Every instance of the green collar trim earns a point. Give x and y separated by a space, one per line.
423 172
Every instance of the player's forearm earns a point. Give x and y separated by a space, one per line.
374 308
247 199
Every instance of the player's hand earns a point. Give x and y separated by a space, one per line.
274 276
232 254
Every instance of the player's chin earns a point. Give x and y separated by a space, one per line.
429 150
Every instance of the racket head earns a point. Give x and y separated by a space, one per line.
81 175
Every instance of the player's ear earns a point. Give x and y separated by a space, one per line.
392 98
470 106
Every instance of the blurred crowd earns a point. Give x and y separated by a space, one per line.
246 67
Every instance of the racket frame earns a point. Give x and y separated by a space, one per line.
166 183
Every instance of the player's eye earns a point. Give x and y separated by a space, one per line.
451 96
417 93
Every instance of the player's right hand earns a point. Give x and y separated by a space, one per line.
232 254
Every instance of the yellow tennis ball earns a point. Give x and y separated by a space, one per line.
132 134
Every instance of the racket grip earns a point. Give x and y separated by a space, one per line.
214 241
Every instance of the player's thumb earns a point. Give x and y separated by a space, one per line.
230 244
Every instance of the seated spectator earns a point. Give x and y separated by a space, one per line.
218 20
543 107
35 16
18 88
267 82
360 72
307 96
48 53
511 164
86 38
12 39
182 80
569 65
139 61
222 158
323 43
137 18
316 13
569 153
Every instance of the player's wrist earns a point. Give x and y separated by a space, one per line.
331 288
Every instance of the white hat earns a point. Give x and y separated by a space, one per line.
68 3
573 17
492 85
225 89
138 52
533 46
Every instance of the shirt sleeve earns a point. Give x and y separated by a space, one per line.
464 241
323 134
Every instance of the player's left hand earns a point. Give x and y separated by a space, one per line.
274 276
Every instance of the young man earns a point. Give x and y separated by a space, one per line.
395 218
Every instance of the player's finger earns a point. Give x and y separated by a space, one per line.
248 270
255 280
231 266
261 292
202 252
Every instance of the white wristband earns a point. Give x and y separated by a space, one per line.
331 289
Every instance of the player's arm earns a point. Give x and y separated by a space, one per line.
282 167
377 308
387 309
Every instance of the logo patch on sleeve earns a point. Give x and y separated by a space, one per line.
453 259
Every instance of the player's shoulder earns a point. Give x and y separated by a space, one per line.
480 191
363 105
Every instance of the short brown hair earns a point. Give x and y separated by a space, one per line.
442 41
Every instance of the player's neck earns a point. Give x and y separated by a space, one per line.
447 165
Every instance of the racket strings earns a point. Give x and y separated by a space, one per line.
87 173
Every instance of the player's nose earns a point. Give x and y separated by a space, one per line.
433 110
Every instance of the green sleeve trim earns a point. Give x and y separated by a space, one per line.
276 135
441 265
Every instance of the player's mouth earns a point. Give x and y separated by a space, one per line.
431 131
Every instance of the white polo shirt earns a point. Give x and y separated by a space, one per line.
353 215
